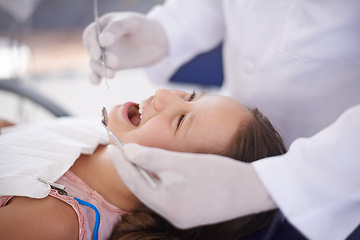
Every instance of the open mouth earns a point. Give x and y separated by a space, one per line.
134 115
131 112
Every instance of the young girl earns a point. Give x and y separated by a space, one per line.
72 152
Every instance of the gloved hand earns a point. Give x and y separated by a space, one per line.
194 189
130 40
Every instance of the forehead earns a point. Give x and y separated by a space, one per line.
214 121
209 106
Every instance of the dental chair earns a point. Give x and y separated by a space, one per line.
16 87
206 69
14 33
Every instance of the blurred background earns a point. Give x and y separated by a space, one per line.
41 48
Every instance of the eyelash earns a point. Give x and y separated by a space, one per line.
191 97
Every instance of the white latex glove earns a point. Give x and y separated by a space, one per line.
130 40
194 189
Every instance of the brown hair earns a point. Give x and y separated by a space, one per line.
256 138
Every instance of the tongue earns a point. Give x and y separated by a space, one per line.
134 116
135 119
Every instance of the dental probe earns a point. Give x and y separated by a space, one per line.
98 30
147 176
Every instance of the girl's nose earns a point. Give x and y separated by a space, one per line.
165 98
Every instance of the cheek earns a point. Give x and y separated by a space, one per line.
152 134
116 123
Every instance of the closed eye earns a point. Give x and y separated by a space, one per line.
182 116
180 121
192 96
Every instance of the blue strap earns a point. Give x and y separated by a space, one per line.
97 214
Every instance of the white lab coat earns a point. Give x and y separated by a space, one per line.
317 183
298 61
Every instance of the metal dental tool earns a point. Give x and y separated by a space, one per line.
152 181
104 122
59 187
98 28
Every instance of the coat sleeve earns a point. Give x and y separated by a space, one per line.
317 183
192 27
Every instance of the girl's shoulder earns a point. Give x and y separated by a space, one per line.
30 218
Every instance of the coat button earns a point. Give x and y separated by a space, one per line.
248 67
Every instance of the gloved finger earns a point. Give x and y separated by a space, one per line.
106 39
112 60
155 159
94 78
91 43
98 69
115 30
109 17
128 172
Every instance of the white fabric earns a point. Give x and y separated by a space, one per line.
317 183
46 150
294 60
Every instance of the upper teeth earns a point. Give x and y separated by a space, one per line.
141 107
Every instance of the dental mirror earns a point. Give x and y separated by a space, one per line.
104 122
152 181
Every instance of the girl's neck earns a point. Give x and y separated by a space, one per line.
98 171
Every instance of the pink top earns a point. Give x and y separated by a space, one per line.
110 215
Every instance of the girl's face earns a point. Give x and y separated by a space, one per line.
179 121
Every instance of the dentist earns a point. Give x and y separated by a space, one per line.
297 61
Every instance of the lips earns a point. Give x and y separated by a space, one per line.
130 112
